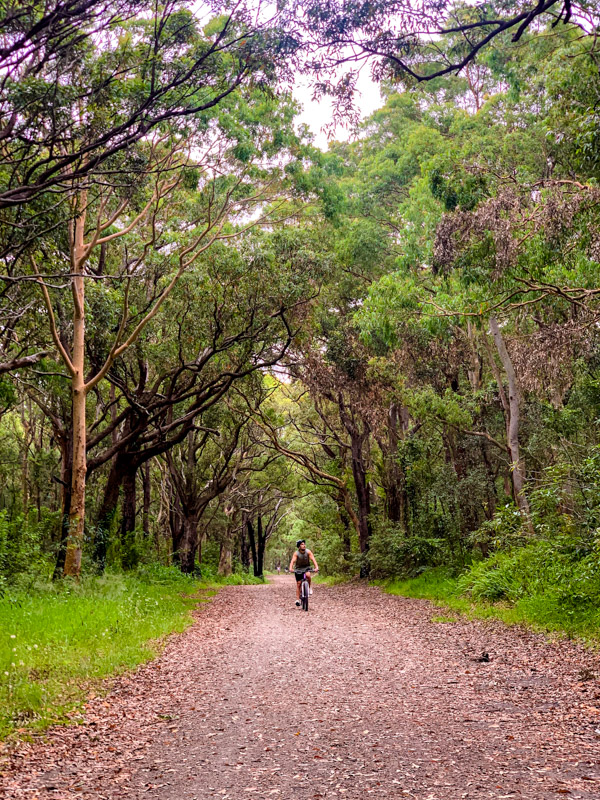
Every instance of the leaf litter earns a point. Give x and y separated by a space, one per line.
364 696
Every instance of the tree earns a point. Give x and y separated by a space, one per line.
422 42
196 486
137 219
153 66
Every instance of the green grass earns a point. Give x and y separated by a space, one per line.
551 584
331 580
443 618
543 605
57 642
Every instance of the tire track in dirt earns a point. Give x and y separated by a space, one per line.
363 696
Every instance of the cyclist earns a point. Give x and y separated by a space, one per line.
300 564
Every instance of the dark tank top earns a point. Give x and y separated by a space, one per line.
302 561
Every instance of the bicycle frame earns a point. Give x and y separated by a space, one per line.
305 589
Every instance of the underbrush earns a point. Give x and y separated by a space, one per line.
549 585
331 580
58 640
210 577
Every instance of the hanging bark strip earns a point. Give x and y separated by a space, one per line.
512 423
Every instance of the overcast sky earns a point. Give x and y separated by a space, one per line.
318 114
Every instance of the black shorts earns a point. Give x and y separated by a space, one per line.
300 575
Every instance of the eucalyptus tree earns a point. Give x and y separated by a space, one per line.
86 88
86 80
200 469
419 41
137 235
260 498
493 303
233 315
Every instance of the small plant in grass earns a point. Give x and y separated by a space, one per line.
442 618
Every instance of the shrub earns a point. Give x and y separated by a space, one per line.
392 553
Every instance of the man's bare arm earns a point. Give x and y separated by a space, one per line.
293 562
313 559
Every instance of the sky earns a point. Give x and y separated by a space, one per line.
317 114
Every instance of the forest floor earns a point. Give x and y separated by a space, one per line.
367 695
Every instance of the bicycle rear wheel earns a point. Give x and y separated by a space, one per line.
304 594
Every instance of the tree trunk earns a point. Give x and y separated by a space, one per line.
77 506
106 513
147 499
25 460
226 553
244 545
359 474
394 479
474 374
79 395
176 526
253 548
512 428
129 554
260 549
189 544
66 469
225 558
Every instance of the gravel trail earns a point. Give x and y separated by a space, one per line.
367 695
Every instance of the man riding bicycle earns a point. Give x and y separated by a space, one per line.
300 566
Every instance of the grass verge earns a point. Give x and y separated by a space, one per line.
548 609
331 580
57 641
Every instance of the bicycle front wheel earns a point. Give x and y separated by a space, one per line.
305 590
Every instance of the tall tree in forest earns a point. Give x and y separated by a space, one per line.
119 233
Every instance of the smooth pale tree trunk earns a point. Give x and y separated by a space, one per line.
78 394
512 424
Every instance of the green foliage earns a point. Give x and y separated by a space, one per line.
437 584
555 572
503 530
463 192
470 196
393 553
27 546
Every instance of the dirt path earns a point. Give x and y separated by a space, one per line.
363 696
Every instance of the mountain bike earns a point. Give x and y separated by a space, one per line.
305 588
